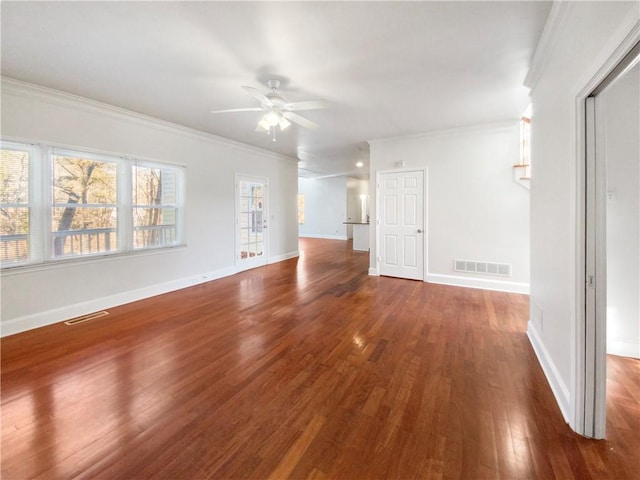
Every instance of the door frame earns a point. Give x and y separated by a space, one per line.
240 265
425 215
588 359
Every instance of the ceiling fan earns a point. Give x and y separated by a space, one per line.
278 112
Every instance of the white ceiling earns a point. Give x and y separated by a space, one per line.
387 69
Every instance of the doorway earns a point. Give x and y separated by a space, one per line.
612 232
401 224
251 222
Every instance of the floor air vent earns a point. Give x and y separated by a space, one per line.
485 268
86 318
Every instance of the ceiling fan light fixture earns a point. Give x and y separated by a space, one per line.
272 118
276 111
284 123
264 124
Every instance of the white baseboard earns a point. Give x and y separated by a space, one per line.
483 283
284 256
327 237
558 387
373 271
623 349
41 319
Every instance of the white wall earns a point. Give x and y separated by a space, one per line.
621 105
584 36
34 296
325 202
475 210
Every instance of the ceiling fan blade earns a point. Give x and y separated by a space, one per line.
298 120
251 109
308 105
255 93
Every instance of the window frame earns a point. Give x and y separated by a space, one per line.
41 204
50 233
34 215
179 203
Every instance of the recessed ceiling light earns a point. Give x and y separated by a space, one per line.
359 164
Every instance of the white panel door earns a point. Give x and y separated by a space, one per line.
401 224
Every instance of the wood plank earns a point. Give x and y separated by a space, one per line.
308 368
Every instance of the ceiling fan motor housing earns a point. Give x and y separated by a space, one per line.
275 99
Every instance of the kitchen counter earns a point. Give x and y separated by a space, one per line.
360 235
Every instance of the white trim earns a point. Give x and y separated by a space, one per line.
466 130
547 43
612 53
616 49
57 97
86 260
283 257
482 283
327 237
373 272
41 319
558 387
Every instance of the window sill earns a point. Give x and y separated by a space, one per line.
8 271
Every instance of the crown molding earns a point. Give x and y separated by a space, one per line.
619 45
467 130
49 95
548 41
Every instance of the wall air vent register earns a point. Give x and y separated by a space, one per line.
485 268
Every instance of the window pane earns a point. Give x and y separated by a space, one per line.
14 206
154 186
154 213
84 181
14 176
14 231
154 227
80 226
86 230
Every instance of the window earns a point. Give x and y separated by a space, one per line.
15 203
525 141
252 196
85 210
60 204
300 208
155 211
522 169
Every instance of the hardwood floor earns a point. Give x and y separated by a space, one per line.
305 369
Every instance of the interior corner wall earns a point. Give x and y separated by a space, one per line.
71 288
621 109
475 209
325 207
589 34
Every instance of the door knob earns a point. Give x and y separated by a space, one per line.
419 230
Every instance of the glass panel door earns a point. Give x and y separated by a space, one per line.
251 220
